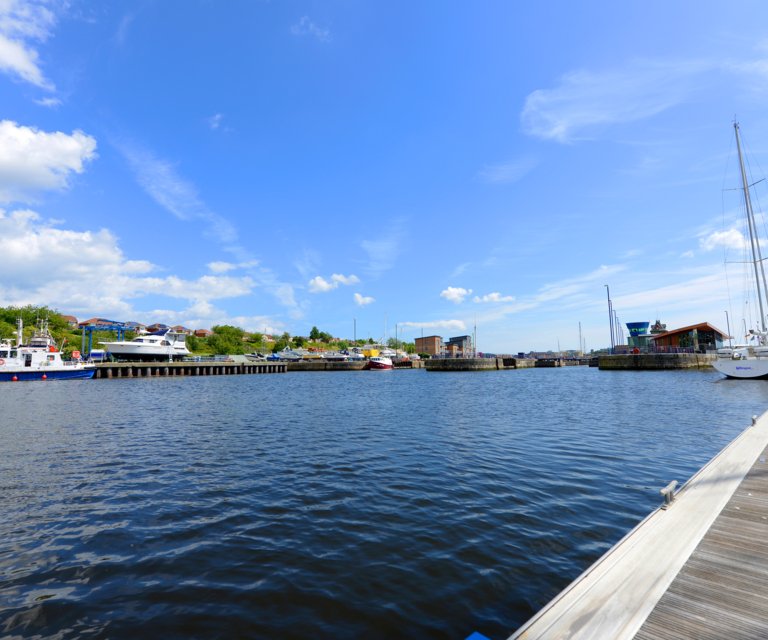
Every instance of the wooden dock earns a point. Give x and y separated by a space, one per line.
722 591
109 370
694 569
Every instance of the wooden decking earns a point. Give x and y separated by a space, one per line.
722 591
696 570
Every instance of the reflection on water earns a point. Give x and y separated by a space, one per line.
360 504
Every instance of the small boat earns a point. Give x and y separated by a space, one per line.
163 345
255 357
748 361
40 359
379 362
335 356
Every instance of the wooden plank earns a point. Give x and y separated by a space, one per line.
722 591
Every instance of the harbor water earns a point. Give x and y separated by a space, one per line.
394 504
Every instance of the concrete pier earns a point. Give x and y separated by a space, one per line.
108 370
656 361
697 567
476 364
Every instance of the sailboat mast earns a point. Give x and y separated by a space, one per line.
757 257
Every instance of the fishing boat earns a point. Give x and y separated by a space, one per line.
163 345
379 362
39 359
749 361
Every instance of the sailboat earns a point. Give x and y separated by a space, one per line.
749 361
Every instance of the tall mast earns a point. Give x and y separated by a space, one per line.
757 258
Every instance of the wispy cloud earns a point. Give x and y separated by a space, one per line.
493 297
162 182
21 25
121 35
216 123
318 284
384 251
452 325
225 267
455 294
507 172
32 160
584 99
306 27
51 103
362 300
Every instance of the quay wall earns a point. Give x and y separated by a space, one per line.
108 370
323 365
476 364
656 361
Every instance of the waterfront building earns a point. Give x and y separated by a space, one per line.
696 337
433 345
459 347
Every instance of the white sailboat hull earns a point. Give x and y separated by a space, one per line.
743 368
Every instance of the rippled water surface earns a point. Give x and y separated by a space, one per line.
333 505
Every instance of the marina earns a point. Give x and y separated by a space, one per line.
348 505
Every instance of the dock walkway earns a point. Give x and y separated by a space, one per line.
722 591
695 570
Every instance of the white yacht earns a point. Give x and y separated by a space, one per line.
163 345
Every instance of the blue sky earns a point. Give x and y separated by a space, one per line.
410 167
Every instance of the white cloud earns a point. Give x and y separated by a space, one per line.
305 27
318 284
224 267
455 294
494 297
221 267
363 300
345 280
730 239
21 23
32 160
87 271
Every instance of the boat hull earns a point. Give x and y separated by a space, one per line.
133 353
13 375
743 368
379 364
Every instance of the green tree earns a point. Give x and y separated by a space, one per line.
193 343
226 339
314 334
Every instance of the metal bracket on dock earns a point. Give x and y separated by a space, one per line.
754 420
669 494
